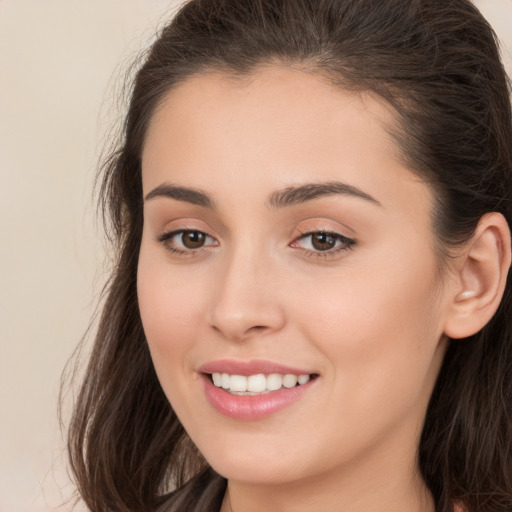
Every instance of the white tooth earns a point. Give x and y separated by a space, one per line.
225 380
274 381
238 383
217 379
289 380
303 379
257 383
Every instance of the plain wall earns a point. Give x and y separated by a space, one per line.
61 64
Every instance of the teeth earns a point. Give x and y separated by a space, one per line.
289 381
255 384
217 379
274 381
237 383
302 379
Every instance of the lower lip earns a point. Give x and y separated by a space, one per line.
255 407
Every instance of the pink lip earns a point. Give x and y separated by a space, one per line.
252 367
245 407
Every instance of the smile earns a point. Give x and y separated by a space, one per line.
257 384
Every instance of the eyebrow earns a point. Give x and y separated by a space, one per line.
282 198
188 195
303 193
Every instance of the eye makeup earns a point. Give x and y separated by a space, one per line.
190 242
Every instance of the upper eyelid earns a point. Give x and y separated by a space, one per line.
340 236
350 242
165 240
325 225
329 231
305 226
301 233
173 232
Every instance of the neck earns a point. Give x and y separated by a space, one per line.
316 498
382 484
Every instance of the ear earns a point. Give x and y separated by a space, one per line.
480 277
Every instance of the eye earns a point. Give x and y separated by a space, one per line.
186 241
323 242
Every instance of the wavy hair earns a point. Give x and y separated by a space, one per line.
437 64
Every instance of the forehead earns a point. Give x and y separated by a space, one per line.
291 96
280 125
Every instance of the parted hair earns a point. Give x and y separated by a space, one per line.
437 64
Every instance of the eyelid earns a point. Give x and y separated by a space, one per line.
342 242
335 234
185 223
346 244
325 225
166 238
172 233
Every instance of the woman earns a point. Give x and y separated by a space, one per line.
311 207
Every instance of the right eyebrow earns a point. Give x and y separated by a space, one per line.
188 195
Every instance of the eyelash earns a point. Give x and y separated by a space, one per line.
345 243
166 238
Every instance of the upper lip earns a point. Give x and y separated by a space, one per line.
249 367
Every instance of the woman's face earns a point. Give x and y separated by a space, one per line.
283 236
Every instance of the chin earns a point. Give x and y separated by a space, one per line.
254 466
254 473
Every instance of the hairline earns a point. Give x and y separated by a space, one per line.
335 79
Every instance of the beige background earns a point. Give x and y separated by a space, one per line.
61 64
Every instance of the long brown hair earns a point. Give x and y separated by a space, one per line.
436 62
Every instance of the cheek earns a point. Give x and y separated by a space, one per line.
378 326
170 309
170 313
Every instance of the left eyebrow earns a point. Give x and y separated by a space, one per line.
300 194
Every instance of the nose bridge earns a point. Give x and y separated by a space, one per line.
246 301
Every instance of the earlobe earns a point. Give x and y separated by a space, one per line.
480 277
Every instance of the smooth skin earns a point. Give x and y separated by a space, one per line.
238 276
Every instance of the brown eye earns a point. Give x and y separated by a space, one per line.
323 241
186 241
193 239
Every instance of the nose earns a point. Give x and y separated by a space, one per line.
246 302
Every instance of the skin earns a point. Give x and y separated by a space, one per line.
369 320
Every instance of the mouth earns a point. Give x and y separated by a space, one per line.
254 389
258 384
